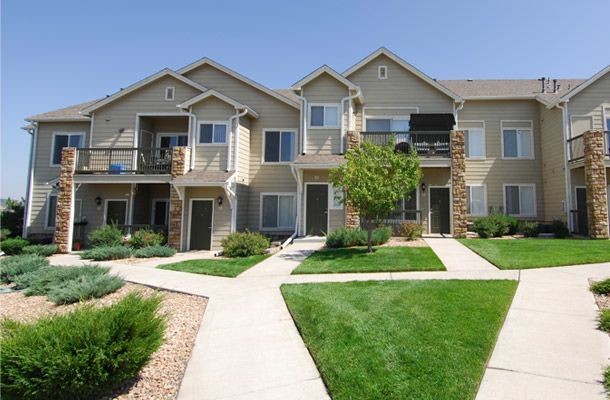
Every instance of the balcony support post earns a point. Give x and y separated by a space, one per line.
458 184
595 182
180 166
352 214
64 215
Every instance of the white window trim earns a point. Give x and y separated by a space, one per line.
484 186
294 151
505 125
53 144
391 117
339 116
260 220
606 117
48 211
331 198
173 91
216 144
171 134
520 185
188 230
106 201
482 122
379 69
154 207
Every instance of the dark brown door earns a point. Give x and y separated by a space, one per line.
201 225
317 210
581 211
439 210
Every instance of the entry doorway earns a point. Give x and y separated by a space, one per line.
440 216
582 217
201 216
316 212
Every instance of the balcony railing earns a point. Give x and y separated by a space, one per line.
429 143
120 160
576 148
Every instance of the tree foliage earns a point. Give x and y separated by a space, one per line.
12 217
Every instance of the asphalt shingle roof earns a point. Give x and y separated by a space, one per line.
70 112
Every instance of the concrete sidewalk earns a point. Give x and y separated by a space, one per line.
456 256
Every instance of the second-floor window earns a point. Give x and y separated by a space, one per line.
61 140
280 146
475 142
213 133
324 116
517 140
172 140
396 124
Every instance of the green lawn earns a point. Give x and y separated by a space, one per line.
229 267
537 253
400 339
383 259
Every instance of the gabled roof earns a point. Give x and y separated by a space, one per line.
161 74
238 76
220 96
203 178
71 113
324 69
584 85
405 65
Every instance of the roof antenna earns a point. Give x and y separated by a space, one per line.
542 80
555 86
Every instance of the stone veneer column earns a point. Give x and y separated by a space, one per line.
64 216
180 165
458 184
595 182
352 215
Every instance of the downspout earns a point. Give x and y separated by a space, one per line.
192 136
234 131
568 173
343 100
288 241
457 110
30 185
303 117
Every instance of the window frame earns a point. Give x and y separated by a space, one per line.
153 209
278 194
467 129
331 198
69 134
417 210
391 118
171 134
213 123
280 130
105 216
324 105
505 126
385 69
520 185
469 187
48 211
173 91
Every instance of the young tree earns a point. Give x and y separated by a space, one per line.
374 179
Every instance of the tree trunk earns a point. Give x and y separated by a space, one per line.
369 228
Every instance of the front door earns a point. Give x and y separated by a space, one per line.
317 210
201 225
439 210
581 211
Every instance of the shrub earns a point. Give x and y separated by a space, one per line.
13 267
245 244
105 253
43 250
41 282
560 229
145 238
607 379
13 246
106 235
604 320
485 227
350 237
4 233
410 230
511 223
381 235
530 229
84 354
84 287
154 251
601 287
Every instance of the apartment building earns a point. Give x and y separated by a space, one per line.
203 151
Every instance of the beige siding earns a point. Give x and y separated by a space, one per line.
221 224
553 170
494 171
243 153
212 157
591 102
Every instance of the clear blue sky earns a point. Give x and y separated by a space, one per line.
57 53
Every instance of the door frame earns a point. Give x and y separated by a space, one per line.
450 208
106 209
153 208
188 234
327 204
576 187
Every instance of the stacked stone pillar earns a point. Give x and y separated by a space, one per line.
352 215
458 184
64 216
595 182
180 165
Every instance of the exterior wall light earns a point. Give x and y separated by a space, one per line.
219 200
423 187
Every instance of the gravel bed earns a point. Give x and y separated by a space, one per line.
403 242
161 377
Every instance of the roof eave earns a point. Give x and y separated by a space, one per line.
322 70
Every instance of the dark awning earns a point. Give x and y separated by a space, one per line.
431 122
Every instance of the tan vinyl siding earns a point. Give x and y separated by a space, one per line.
493 171
212 157
553 170
243 152
243 204
221 224
591 102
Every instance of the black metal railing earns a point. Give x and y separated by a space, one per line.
428 143
121 160
576 148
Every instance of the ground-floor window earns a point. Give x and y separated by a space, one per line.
520 200
116 212
475 200
278 211
51 211
406 208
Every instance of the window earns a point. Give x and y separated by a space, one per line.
160 212
382 72
475 142
169 93
476 200
116 212
279 146
517 139
335 195
213 133
324 116
406 208
520 200
395 124
277 211
51 211
173 140
61 140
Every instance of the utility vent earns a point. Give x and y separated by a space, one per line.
169 93
549 85
382 72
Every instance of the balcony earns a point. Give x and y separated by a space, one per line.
124 161
425 143
576 147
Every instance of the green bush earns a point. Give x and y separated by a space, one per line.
245 244
410 230
381 235
41 282
145 238
105 253
601 287
13 246
105 236
530 229
604 320
4 233
607 379
154 251
350 237
13 267
495 225
44 250
84 354
85 287
509 223
560 229
485 227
